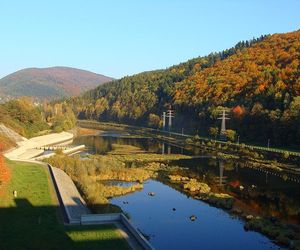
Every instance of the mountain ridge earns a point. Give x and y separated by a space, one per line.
50 82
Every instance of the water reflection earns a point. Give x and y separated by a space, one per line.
262 191
221 179
165 219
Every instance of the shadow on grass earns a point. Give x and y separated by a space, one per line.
37 227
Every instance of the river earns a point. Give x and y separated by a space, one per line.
165 217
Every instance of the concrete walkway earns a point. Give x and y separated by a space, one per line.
27 149
71 199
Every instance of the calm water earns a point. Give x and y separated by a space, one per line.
168 229
266 193
103 144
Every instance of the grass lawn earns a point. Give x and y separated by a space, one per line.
31 220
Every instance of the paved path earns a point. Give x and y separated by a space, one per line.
27 149
73 203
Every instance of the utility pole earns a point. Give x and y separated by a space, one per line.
169 149
170 115
164 120
223 124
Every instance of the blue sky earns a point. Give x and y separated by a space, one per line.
119 37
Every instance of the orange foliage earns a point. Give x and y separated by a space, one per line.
235 183
4 172
265 68
238 110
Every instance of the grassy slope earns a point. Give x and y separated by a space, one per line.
30 221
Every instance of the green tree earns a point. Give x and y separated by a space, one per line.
100 106
214 131
154 120
230 134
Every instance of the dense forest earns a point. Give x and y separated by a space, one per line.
256 81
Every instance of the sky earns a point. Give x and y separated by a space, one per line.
124 37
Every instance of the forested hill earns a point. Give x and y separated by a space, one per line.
41 83
256 81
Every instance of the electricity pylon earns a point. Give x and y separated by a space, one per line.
164 120
170 115
223 125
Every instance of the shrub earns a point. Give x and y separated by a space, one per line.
196 138
189 141
286 155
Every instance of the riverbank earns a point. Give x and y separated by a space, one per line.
121 127
259 157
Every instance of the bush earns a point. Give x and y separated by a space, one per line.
286 155
196 137
193 185
189 141
58 151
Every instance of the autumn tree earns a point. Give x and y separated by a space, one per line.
230 134
214 131
154 120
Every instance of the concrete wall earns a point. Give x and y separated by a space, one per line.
92 219
139 237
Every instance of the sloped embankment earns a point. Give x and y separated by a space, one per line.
4 173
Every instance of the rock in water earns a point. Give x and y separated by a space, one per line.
193 217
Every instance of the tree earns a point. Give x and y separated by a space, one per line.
230 134
100 106
214 131
154 120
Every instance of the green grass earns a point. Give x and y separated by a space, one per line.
31 221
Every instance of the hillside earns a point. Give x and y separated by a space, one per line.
256 81
49 83
23 117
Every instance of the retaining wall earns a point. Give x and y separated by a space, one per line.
92 219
